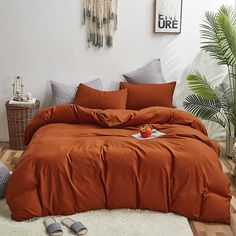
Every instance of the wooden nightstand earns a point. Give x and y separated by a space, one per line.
18 116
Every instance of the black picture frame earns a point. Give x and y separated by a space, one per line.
168 16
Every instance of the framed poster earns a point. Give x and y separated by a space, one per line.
168 16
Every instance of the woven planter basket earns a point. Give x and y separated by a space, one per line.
4 177
18 116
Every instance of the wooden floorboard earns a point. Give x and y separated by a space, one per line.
11 157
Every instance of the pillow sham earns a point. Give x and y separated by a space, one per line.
149 74
96 99
65 93
147 95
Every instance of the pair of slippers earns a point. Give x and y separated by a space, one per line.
54 228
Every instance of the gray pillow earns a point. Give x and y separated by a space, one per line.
4 178
149 74
64 93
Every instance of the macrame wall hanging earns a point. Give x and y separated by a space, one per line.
100 16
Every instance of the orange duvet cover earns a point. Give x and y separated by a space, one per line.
80 159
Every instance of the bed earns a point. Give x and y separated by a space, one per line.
79 159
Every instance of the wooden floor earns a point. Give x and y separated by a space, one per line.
11 157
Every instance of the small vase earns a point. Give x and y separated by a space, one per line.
229 145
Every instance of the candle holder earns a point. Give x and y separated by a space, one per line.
18 89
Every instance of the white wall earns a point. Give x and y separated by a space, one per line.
43 40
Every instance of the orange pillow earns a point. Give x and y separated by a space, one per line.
147 95
96 99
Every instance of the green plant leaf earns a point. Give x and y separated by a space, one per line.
217 104
199 85
200 107
229 12
210 34
225 97
219 35
227 102
227 34
216 119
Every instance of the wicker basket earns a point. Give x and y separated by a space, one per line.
18 116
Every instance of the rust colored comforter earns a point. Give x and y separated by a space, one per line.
79 159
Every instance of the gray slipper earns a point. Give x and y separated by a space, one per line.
52 227
77 227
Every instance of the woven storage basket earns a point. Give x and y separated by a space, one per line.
18 116
4 177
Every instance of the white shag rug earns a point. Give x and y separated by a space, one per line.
121 222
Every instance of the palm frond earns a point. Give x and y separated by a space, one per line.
218 120
219 35
227 34
217 104
229 12
227 101
225 96
200 107
210 34
199 85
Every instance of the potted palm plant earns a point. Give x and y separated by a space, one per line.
217 103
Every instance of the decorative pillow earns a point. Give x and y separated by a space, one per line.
96 99
4 178
65 93
147 95
149 74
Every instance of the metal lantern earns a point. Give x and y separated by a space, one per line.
18 89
